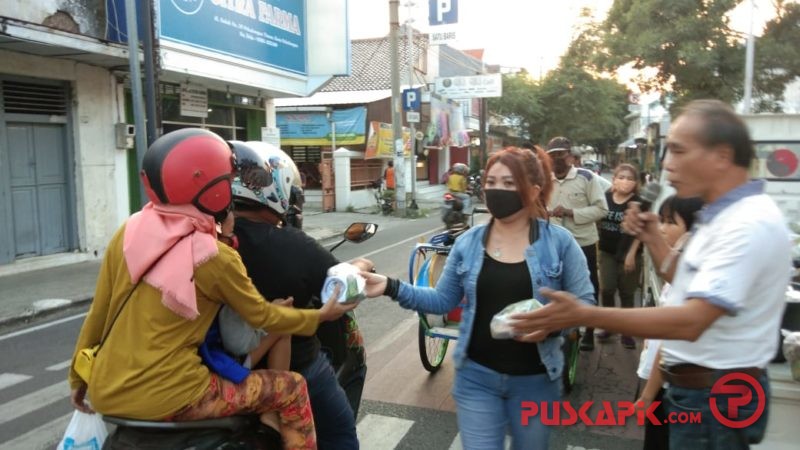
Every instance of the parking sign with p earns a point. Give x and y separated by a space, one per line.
442 12
411 99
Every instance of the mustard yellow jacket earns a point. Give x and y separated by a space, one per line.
148 367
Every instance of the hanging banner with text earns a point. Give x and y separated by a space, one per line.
314 128
379 142
475 86
270 32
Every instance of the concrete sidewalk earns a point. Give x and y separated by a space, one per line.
27 294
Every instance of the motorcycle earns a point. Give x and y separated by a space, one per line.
453 213
294 215
246 432
474 186
383 197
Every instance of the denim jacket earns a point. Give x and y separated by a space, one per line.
554 260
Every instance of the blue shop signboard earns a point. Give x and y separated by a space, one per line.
270 32
314 128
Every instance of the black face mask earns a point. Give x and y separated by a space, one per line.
502 203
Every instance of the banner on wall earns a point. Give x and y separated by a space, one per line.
269 32
379 142
314 128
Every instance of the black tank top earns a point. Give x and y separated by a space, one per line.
499 285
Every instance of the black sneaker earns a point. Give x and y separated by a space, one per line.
587 342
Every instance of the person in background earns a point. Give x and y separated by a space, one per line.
457 184
677 218
388 176
620 258
493 266
577 204
726 297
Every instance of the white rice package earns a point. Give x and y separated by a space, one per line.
500 326
351 283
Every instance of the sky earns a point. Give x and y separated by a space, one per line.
514 33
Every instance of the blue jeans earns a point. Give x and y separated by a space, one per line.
488 403
333 418
710 434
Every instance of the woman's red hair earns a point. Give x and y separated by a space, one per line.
529 168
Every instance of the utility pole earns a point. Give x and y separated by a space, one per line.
482 123
151 85
413 140
136 87
749 61
397 125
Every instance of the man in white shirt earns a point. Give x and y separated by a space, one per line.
727 297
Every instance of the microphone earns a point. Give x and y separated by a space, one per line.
649 195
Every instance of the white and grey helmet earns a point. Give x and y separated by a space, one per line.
265 175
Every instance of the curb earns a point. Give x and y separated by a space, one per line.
31 314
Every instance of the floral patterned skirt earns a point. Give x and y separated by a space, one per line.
262 391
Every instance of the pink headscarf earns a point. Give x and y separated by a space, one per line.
153 231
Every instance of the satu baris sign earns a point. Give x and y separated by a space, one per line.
265 32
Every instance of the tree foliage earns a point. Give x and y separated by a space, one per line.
689 42
777 57
694 50
587 108
570 101
519 103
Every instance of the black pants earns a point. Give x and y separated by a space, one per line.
590 251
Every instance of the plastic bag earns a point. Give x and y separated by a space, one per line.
500 326
791 350
351 283
84 432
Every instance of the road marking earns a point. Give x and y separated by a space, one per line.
59 366
10 379
412 238
456 445
41 327
377 432
33 401
40 438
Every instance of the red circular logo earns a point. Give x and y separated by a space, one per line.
743 387
782 162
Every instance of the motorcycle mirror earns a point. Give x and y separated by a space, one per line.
357 232
360 231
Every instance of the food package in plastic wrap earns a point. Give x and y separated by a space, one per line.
500 326
351 284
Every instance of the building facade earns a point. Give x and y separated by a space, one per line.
68 172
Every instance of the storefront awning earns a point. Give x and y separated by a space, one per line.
23 37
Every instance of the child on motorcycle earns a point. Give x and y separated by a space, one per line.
285 262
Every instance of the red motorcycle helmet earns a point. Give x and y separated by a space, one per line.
189 166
